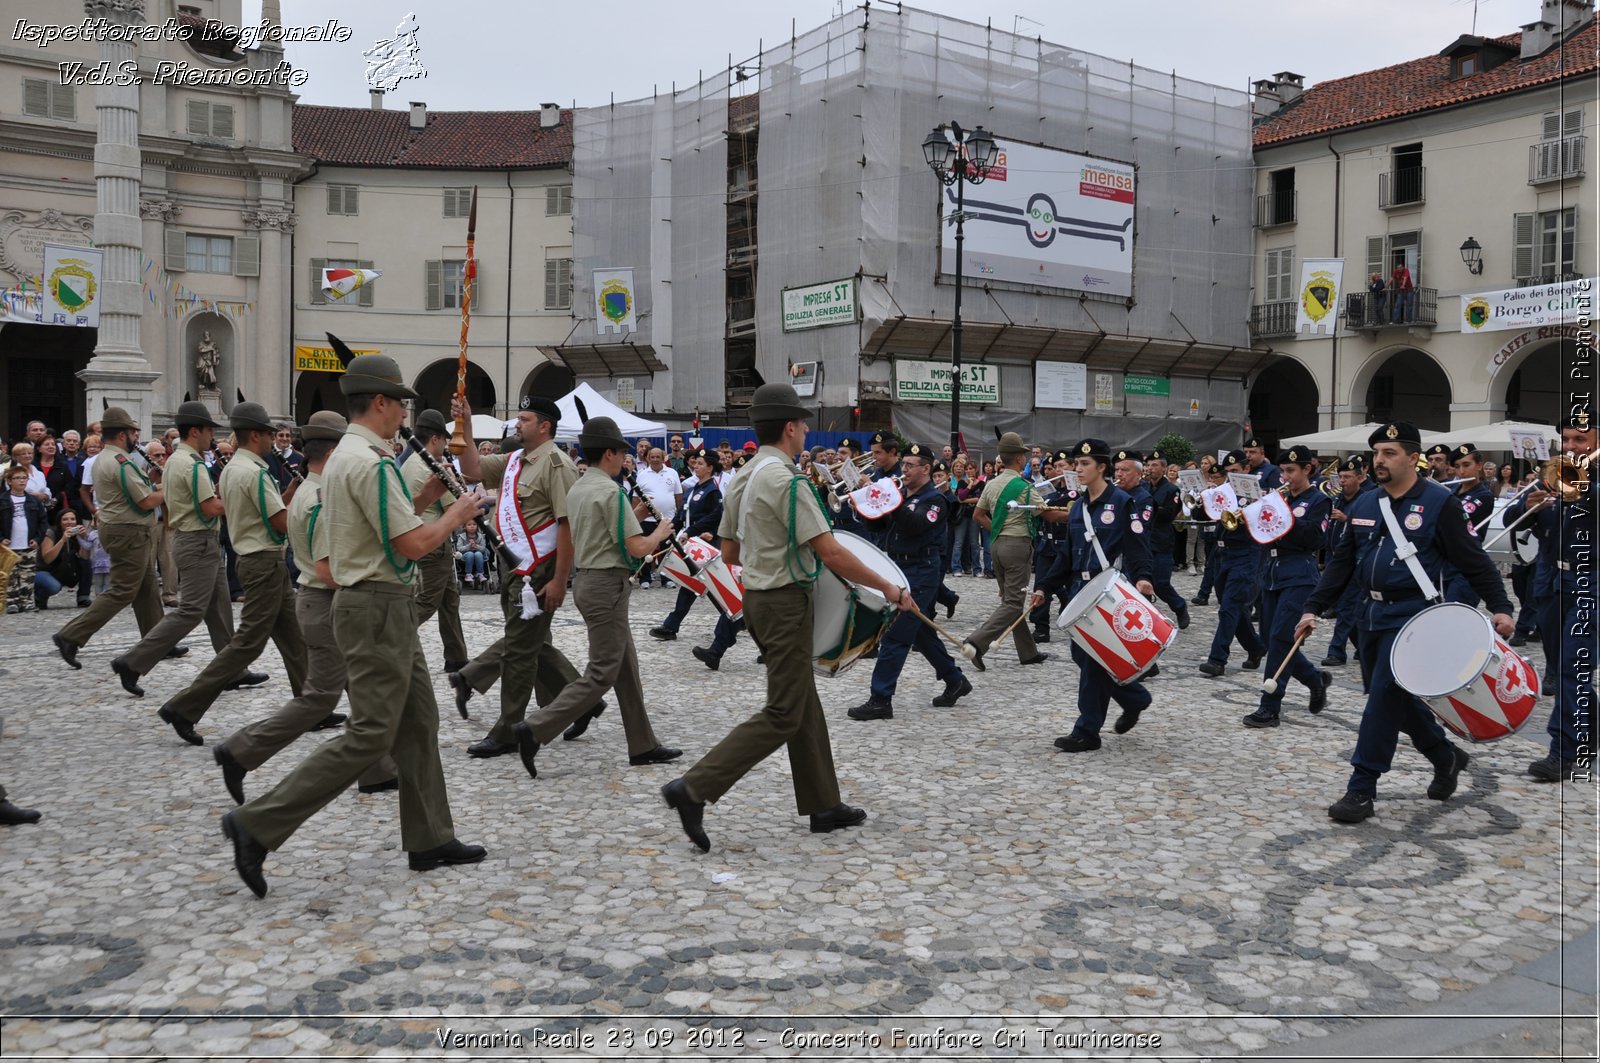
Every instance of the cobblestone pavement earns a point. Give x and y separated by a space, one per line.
1184 882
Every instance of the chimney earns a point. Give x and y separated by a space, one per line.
1267 100
1290 86
419 116
376 96
549 115
1558 19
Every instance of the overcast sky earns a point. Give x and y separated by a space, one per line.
509 55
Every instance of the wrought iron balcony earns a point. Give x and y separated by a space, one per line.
1272 319
1276 209
1365 313
1556 160
1401 188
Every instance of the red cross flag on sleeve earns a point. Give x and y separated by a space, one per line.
340 282
877 499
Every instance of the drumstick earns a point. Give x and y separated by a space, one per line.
1011 627
920 615
1271 685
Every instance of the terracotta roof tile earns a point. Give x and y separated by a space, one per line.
451 140
1424 85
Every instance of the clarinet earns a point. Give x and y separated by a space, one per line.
655 514
449 481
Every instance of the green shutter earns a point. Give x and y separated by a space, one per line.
64 103
177 251
1522 241
222 121
435 285
199 117
1375 257
317 266
36 97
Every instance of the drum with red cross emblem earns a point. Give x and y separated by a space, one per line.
1113 623
1449 658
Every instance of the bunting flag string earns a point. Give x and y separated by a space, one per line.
177 301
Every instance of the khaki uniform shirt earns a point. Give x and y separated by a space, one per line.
417 474
592 507
308 550
365 506
764 546
187 484
119 485
1016 524
542 485
250 496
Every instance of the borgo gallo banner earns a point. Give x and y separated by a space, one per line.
1524 308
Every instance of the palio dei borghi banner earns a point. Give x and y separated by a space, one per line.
1524 308
930 382
1046 217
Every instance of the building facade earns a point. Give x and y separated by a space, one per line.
207 170
1481 152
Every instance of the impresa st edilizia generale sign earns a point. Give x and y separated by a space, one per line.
930 382
818 305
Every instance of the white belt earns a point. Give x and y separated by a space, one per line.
1565 566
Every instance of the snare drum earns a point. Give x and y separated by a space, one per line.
849 620
1449 658
702 553
1113 623
724 588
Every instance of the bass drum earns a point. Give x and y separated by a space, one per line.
849 620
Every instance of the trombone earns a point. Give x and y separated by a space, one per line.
1564 477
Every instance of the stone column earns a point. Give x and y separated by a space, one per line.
118 374
269 384
156 328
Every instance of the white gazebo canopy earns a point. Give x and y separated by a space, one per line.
1496 436
1345 439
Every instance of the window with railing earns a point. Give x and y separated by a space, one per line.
1401 187
1559 154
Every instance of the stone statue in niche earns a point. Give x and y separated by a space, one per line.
208 362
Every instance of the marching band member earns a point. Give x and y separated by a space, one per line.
439 594
1011 545
1477 499
1439 462
608 546
776 526
1288 577
258 521
1257 465
1238 575
1571 725
698 516
1165 504
1051 540
1105 526
1436 531
914 538
1353 481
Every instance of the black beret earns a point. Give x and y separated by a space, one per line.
1465 450
540 404
848 442
1093 448
1402 432
920 450
1129 455
1154 455
886 439
1255 443
1296 456
1355 465
1234 457
1579 420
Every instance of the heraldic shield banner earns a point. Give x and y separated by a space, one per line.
1317 312
69 290
614 304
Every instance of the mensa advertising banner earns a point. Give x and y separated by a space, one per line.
1046 217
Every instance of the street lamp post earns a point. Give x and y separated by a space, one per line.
959 159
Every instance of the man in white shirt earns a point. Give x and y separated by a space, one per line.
662 487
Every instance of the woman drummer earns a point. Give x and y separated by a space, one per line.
1103 527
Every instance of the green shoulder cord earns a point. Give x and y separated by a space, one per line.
122 472
261 504
792 555
311 528
194 497
622 544
407 571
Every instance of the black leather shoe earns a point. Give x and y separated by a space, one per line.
1259 719
1319 693
1183 619
1444 779
130 678
837 818
953 691
1251 664
976 657
1038 658
246 679
67 649
183 727
12 816
1519 640
330 721
177 651
248 855
1155 670
1331 661
658 755
463 689
450 853
1551 769
1351 808
232 773
1127 720
665 634
691 813
1200 599
489 747
527 747
761 658
950 606
707 658
1076 743
1212 668
1041 634
872 709
378 787
576 728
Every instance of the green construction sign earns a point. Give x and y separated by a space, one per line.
1146 385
